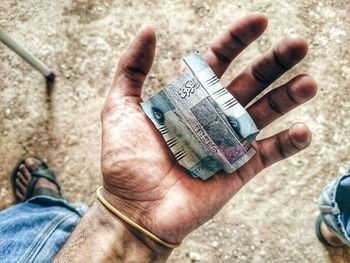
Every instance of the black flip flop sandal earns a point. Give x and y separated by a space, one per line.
42 171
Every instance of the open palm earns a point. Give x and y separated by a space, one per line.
141 176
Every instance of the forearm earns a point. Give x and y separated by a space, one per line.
102 237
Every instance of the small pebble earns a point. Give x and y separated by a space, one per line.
194 256
293 192
7 112
215 244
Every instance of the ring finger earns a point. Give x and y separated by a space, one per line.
282 99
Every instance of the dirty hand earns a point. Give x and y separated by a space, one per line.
141 176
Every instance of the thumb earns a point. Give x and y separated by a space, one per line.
135 64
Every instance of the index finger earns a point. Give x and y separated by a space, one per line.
225 47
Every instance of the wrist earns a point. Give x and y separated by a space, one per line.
145 213
124 233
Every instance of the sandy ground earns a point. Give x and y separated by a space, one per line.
272 218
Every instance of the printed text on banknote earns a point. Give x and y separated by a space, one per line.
204 126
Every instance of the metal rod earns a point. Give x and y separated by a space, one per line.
36 63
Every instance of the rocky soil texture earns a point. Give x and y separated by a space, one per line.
272 218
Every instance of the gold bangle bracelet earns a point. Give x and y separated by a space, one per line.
132 223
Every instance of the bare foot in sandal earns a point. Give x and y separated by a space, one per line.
31 179
331 238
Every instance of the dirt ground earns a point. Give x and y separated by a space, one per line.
272 218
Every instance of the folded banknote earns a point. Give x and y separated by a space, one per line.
204 126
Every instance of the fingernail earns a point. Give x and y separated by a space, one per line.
142 27
302 136
30 161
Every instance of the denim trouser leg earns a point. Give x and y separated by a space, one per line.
35 230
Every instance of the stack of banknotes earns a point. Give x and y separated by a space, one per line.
204 126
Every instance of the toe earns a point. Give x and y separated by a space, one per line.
22 178
21 188
32 163
19 196
25 172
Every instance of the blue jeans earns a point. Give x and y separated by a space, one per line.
35 230
334 204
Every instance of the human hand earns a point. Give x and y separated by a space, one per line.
141 176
